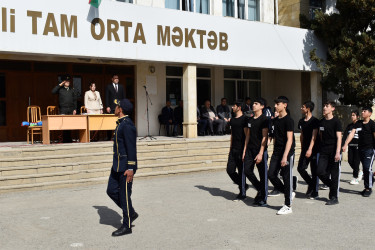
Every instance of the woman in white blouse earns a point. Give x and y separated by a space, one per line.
93 102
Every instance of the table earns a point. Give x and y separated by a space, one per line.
83 123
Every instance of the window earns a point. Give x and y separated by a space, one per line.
228 8
241 9
239 84
174 84
253 10
2 101
202 6
125 1
172 4
188 5
203 85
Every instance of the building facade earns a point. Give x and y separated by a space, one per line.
178 49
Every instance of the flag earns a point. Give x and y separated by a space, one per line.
95 3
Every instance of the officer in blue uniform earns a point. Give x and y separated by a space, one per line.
124 165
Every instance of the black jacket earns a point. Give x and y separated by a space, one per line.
178 114
111 95
223 112
67 99
166 114
204 112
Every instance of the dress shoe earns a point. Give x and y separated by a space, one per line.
134 216
122 231
332 201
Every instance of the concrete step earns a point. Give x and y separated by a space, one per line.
80 182
13 180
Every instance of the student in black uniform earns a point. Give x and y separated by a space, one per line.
366 145
256 151
329 157
353 152
238 124
283 154
309 131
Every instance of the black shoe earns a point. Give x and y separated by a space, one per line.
274 193
122 231
261 203
134 217
332 201
257 198
309 191
240 197
366 192
295 183
313 196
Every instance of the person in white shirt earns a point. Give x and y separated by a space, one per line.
93 102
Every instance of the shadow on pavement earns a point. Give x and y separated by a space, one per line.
108 216
218 192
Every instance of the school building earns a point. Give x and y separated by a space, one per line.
189 50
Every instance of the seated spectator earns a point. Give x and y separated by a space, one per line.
248 111
202 123
224 113
179 115
167 118
208 113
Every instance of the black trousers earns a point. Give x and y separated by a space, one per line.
262 184
354 160
367 159
286 172
329 171
120 192
303 163
235 163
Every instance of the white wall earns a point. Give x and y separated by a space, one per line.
151 3
158 100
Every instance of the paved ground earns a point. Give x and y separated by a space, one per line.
191 211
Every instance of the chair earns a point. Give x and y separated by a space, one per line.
52 110
33 116
83 110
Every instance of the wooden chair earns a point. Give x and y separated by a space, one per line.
83 110
52 110
33 116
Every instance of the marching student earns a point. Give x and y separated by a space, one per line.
309 131
256 151
237 142
329 157
353 152
283 154
366 146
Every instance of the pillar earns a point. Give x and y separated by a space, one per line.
189 90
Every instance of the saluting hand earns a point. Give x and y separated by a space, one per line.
129 175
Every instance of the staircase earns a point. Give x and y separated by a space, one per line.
65 165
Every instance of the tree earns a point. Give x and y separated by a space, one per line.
349 68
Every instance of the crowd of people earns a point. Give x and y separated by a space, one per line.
321 148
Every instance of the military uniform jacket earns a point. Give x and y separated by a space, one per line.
124 146
67 98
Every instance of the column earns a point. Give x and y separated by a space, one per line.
316 93
189 90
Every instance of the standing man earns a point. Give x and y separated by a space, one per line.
366 146
309 130
67 102
113 93
224 113
167 118
237 143
329 158
283 154
256 151
124 166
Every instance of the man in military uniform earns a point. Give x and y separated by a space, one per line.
124 165
67 102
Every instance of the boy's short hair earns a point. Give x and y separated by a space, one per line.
261 101
310 105
356 112
329 102
369 109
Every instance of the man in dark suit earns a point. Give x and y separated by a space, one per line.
208 113
167 118
67 102
178 114
113 91
224 113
